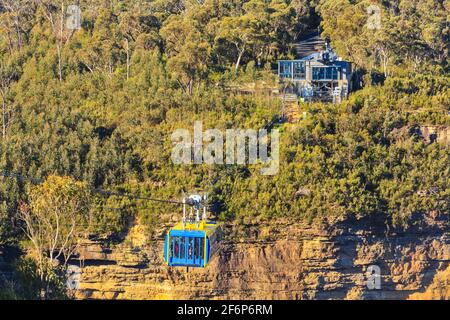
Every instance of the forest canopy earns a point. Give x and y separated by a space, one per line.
99 104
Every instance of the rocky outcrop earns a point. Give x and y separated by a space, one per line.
281 260
439 288
439 134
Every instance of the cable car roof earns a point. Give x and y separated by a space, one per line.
204 228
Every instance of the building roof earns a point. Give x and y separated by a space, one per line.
309 45
313 48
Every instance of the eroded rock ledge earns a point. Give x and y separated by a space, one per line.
279 261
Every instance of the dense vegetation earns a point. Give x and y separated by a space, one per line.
99 105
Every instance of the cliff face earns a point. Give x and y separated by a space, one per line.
279 261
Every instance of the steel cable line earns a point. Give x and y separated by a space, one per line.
8 174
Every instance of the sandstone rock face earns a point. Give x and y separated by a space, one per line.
278 261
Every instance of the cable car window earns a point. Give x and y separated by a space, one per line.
182 248
176 247
197 248
190 247
202 243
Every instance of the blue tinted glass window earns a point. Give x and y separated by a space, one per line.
190 247
325 73
299 70
182 248
176 247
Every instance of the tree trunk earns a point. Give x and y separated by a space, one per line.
19 36
128 58
59 46
10 44
190 86
238 62
4 119
240 54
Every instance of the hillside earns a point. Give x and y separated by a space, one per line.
278 260
94 108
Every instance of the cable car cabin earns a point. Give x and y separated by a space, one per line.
191 244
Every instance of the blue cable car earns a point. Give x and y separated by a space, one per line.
193 242
190 245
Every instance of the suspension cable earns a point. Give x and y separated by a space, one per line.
8 174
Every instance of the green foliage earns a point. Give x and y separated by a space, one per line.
29 285
356 159
413 34
99 105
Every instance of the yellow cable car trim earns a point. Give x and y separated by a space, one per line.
204 245
168 249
